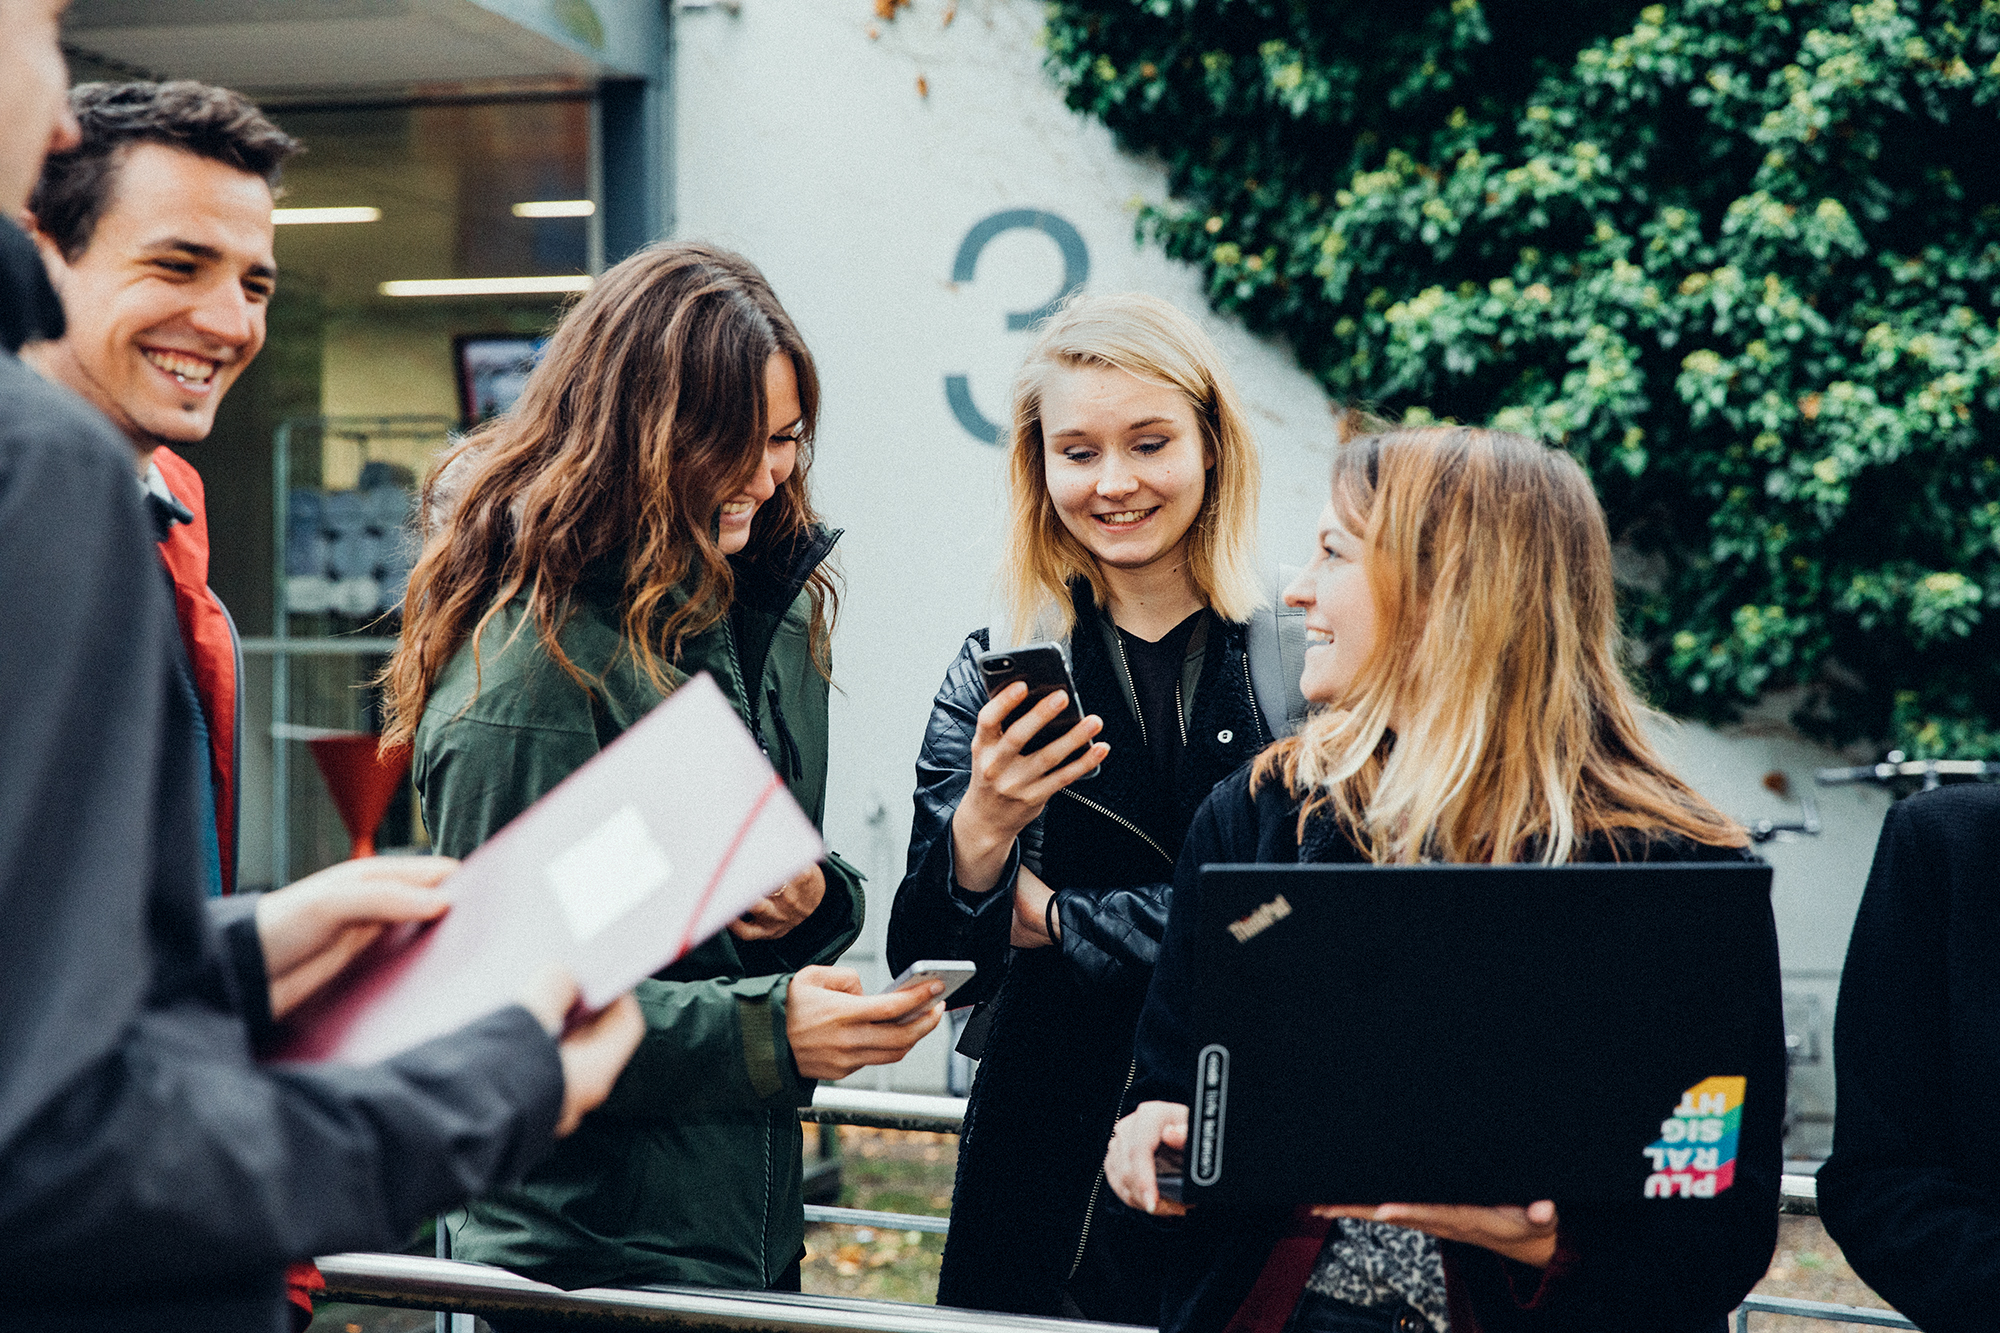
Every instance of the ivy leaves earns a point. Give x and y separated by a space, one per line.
1742 257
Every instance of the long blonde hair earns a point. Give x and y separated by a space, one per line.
1148 338
647 409
1497 650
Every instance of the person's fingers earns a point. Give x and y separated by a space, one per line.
419 871
1542 1212
843 979
1174 1134
988 729
302 979
1065 750
594 1055
1046 710
385 900
897 1005
1084 761
549 996
909 1033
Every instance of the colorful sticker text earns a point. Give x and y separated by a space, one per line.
1695 1155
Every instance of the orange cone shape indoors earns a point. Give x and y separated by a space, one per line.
360 780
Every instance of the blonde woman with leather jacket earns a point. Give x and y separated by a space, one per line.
1134 483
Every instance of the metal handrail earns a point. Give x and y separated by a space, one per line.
1833 1314
828 1215
415 1282
884 1110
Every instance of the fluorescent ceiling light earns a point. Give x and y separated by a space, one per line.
291 217
555 208
560 282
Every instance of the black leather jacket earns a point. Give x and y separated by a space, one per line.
1031 1222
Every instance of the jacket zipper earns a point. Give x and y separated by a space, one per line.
1117 818
793 756
1132 691
1256 711
1180 714
1097 1186
770 1185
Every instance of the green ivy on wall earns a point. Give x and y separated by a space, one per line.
1742 257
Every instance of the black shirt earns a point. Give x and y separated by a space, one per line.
1156 678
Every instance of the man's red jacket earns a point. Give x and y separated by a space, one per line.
213 653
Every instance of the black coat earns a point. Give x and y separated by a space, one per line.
1912 1191
1635 1268
1031 1218
151 1174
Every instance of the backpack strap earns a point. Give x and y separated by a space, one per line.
1277 650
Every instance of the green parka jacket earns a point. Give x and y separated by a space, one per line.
690 1172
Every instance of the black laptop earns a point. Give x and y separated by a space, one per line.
1482 1034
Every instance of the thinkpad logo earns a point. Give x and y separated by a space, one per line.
1260 920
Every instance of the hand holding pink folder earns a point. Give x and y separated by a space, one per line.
654 845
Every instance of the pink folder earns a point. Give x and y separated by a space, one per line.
654 845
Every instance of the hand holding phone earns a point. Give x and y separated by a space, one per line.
1044 669
953 972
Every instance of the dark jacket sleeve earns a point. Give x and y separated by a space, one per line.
1111 937
1909 1192
188 1163
933 917
133 1123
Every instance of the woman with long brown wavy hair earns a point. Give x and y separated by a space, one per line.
642 514
1469 706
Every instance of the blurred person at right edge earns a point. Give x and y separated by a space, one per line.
1133 484
641 515
1470 707
1912 1190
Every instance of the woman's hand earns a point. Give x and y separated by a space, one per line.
593 1053
311 930
1008 788
1525 1235
1032 918
1129 1161
774 915
834 1029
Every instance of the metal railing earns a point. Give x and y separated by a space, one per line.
415 1282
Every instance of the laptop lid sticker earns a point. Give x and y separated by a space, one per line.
1695 1155
1211 1102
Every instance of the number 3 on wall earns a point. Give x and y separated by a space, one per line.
1076 269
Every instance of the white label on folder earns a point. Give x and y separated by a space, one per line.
613 870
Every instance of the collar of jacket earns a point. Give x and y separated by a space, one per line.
769 582
29 307
1084 602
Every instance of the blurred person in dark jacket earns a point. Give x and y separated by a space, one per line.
151 1174
1912 1190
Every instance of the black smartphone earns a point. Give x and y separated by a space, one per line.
1044 668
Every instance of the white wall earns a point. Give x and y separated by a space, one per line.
807 145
